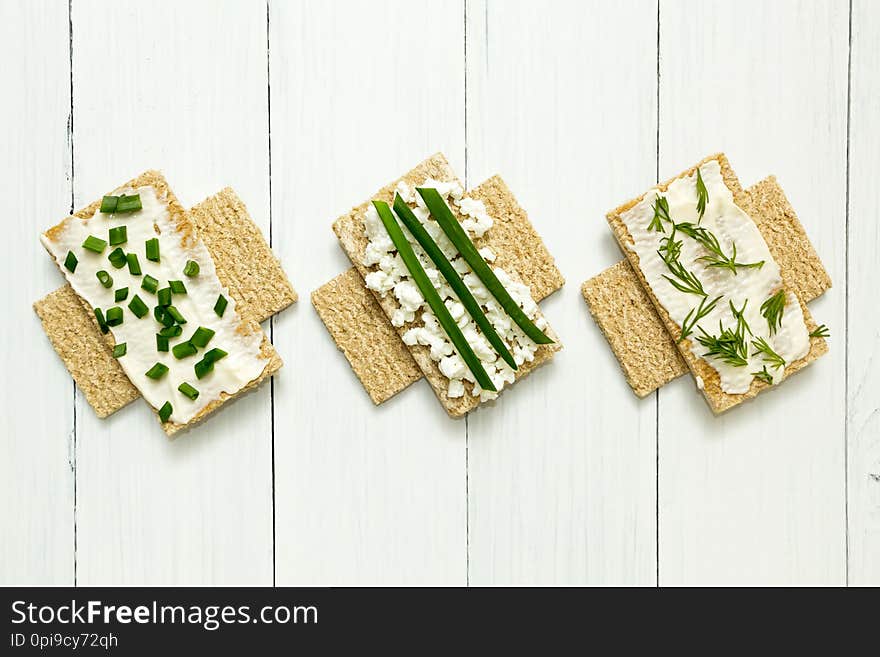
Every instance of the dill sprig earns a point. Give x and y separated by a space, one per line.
772 310
767 353
687 326
661 214
741 324
684 281
728 346
764 376
670 248
820 331
702 196
717 258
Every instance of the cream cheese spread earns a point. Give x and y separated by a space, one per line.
749 287
243 363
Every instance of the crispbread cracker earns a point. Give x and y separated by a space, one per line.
622 309
108 400
718 400
515 233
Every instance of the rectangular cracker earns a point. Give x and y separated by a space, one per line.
239 249
515 243
622 309
718 400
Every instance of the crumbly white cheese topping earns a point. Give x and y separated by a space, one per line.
391 278
749 286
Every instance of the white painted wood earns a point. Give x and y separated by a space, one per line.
36 407
360 93
181 87
864 281
561 468
757 495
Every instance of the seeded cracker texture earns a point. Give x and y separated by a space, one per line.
635 332
718 400
81 361
519 251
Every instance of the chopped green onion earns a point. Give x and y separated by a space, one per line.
117 258
114 316
220 306
202 368
95 244
184 350
177 287
461 290
431 296
202 337
134 266
157 371
191 268
171 310
128 203
457 235
171 331
105 278
138 307
165 296
165 412
162 316
213 355
121 294
149 284
153 249
118 235
99 315
70 262
120 350
188 391
108 204
161 342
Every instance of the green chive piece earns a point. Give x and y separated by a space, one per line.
163 317
201 337
431 296
188 391
171 331
183 350
220 306
161 342
120 350
114 316
118 235
213 355
203 368
152 247
108 204
461 290
70 262
95 244
157 371
117 258
134 266
105 278
457 235
191 268
138 307
149 284
99 315
165 296
165 412
128 203
171 310
121 294
177 287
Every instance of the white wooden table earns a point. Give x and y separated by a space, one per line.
306 108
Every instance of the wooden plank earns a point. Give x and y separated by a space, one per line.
360 94
190 98
561 468
863 339
757 495
36 432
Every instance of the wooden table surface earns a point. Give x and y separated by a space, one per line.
306 108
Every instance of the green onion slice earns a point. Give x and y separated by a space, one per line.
161 342
121 294
175 314
431 296
459 238
102 324
108 204
166 411
152 247
134 266
177 287
191 268
128 203
114 316
95 244
220 306
105 278
157 371
164 296
120 350
183 350
138 307
149 284
171 331
203 368
70 262
163 317
188 391
118 235
117 258
202 337
213 355
461 290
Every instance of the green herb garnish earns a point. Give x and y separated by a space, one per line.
134 266
95 244
191 268
767 353
820 331
728 346
177 287
114 316
184 350
220 306
120 350
102 323
717 257
149 284
764 376
70 262
128 203
161 342
117 258
138 307
165 412
162 316
684 280
120 295
742 326
201 337
152 249
661 214
687 326
157 371
104 278
164 296
108 204
702 196
188 391
772 310
206 365
118 235
171 331
175 314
